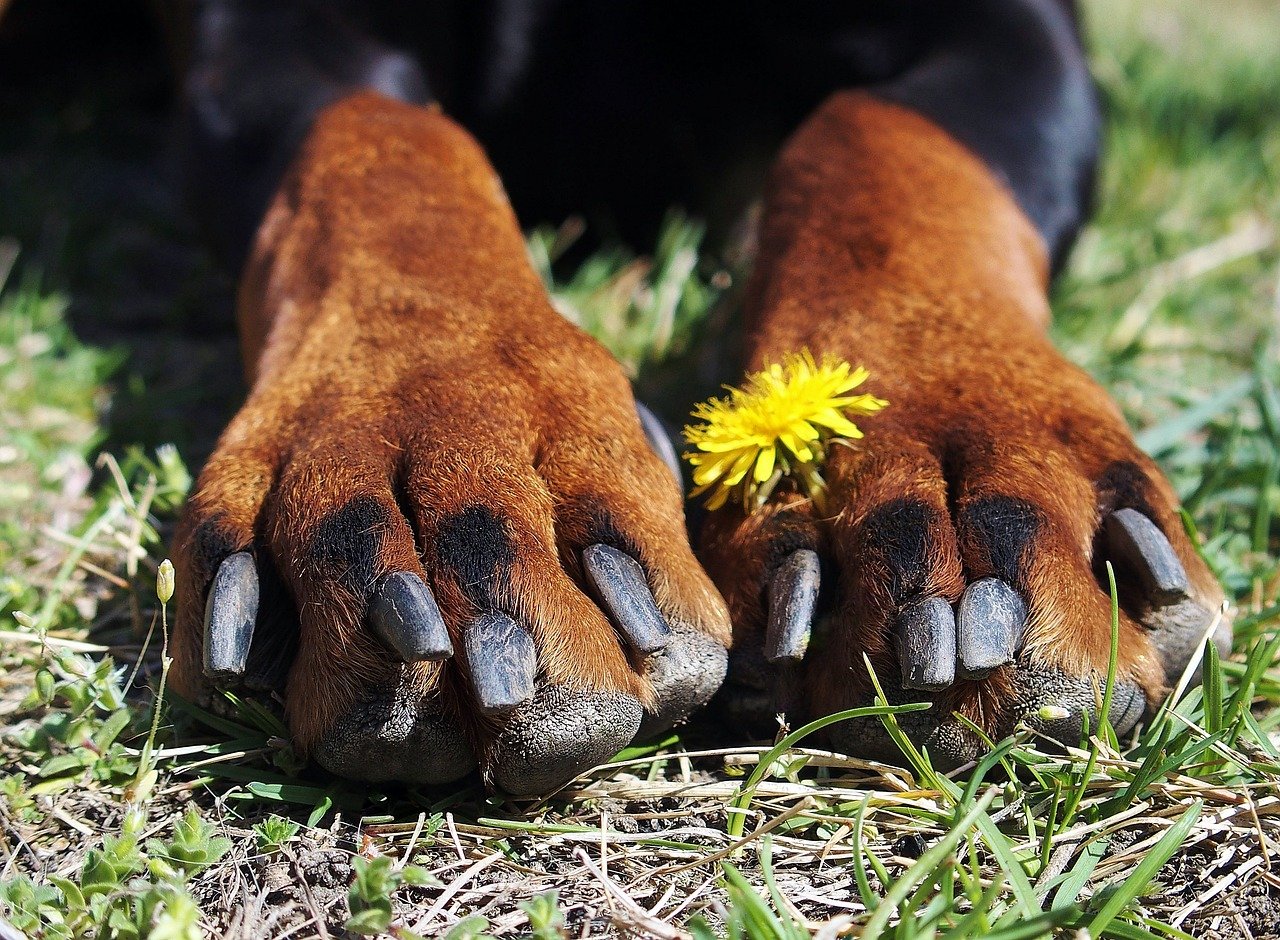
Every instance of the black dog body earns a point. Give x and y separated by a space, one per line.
618 109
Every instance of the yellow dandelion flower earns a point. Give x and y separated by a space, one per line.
777 423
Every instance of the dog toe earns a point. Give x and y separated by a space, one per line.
397 734
558 733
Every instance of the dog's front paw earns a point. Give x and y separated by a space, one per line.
478 564
435 528
963 552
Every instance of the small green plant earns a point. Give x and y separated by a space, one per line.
194 846
374 882
17 798
273 832
119 893
34 909
546 920
77 739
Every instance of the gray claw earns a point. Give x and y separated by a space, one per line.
989 627
1139 544
404 613
620 585
793 595
659 440
502 661
229 615
927 645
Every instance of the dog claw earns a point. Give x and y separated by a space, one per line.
229 616
502 661
620 585
989 627
793 595
1138 543
659 440
404 613
927 645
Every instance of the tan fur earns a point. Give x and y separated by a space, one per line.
886 242
403 350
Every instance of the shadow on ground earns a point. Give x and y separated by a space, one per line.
87 189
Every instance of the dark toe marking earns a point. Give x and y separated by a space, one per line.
1124 483
346 546
659 440
557 734
477 545
620 586
210 543
229 615
684 675
785 533
996 532
396 736
793 596
502 661
927 645
1138 544
896 547
404 614
989 625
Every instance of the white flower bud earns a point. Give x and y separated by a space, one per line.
164 581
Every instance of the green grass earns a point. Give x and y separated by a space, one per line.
1172 300
1171 296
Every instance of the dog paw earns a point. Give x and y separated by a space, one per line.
488 569
436 529
963 552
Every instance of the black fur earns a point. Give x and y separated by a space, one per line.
211 542
590 515
259 73
788 532
617 108
476 545
346 547
1008 78
995 535
894 547
1124 485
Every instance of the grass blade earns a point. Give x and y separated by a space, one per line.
1136 884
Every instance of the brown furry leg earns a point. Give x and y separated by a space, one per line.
428 450
976 515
